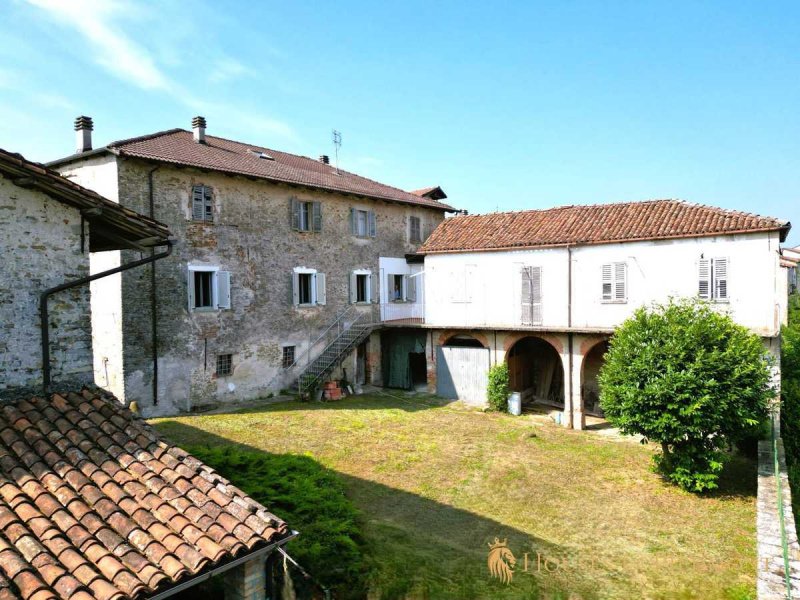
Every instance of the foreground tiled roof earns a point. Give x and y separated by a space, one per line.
595 224
94 504
177 146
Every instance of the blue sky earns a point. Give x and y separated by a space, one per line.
505 105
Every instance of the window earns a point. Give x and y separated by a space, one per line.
462 283
396 288
209 288
202 204
288 357
360 286
531 295
615 282
306 216
414 230
362 223
224 365
308 287
713 279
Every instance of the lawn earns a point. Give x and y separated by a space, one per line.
436 483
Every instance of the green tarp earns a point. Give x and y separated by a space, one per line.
395 348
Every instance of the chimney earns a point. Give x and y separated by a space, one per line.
324 159
199 129
83 134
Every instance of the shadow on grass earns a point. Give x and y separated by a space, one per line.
413 547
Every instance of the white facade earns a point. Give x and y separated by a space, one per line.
494 289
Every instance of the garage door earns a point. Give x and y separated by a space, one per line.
462 374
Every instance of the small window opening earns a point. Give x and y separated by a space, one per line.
224 365
288 356
305 283
203 295
361 288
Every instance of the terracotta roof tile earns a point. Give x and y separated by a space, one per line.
78 522
177 146
596 224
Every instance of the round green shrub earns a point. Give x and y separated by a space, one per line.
686 376
497 390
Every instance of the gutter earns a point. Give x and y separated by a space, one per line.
153 313
45 321
226 567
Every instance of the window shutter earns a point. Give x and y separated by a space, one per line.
721 278
371 217
353 223
295 289
607 283
526 297
223 289
316 219
320 281
536 295
353 287
374 283
411 288
704 274
190 287
294 213
620 281
198 203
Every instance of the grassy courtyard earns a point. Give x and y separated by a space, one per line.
582 512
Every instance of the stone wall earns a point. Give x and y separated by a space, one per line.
40 238
771 567
252 238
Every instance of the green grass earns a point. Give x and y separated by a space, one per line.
435 484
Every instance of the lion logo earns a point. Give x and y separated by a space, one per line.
501 561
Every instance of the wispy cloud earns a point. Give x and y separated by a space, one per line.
114 50
108 27
226 69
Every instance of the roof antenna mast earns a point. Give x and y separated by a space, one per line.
337 143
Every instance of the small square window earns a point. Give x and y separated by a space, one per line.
288 356
224 365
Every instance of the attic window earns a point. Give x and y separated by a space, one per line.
259 154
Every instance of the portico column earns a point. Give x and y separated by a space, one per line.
578 413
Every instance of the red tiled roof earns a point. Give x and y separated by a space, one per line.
122 222
94 504
434 193
177 146
595 224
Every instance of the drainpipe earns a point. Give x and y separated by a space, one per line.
45 325
569 422
153 314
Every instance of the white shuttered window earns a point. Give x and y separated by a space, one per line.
202 204
531 295
308 287
713 279
615 282
208 288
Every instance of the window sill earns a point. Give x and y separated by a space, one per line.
306 305
613 302
205 310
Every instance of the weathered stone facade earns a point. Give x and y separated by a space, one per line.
41 241
251 237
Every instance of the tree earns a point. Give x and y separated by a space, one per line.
686 376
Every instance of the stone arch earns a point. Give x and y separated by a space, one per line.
447 336
535 369
512 338
593 353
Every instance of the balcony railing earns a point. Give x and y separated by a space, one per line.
400 313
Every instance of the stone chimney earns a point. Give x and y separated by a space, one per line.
83 134
199 129
324 159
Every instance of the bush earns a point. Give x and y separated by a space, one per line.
790 397
688 377
311 499
497 390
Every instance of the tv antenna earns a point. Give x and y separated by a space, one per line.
337 143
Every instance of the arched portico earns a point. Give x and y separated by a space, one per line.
590 389
536 371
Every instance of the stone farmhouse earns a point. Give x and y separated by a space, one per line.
274 252
93 503
544 289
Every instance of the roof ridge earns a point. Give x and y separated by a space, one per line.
142 138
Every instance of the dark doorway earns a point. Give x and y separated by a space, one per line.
419 369
361 364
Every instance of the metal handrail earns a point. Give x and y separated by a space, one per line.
337 321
